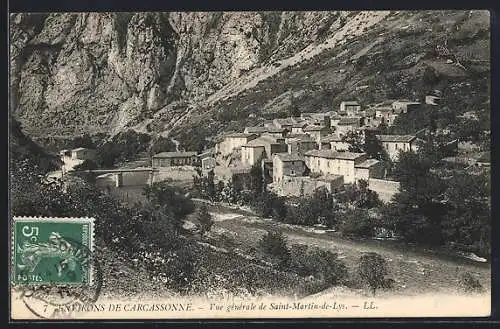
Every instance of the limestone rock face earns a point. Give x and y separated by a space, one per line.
98 72
105 72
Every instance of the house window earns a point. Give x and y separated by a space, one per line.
292 172
318 162
328 164
396 146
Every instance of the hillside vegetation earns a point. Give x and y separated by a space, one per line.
168 73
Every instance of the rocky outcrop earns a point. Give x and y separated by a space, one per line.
104 71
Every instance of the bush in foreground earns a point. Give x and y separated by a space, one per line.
372 270
321 264
274 243
469 284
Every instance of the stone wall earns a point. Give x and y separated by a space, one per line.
384 188
305 186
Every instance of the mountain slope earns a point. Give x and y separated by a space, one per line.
168 72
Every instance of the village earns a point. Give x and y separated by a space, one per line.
298 155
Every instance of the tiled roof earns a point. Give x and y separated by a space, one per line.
286 157
285 121
275 130
348 121
367 163
384 109
330 154
299 137
350 103
174 155
239 135
79 149
262 141
299 125
396 138
405 102
256 129
313 128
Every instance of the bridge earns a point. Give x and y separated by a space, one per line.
118 173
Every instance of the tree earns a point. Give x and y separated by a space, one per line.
417 210
162 144
87 165
210 185
372 269
319 208
355 141
170 200
83 141
430 77
322 264
356 222
205 221
257 183
373 147
274 243
467 221
359 195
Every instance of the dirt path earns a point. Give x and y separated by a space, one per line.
415 271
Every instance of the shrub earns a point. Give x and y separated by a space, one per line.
372 270
321 264
274 243
469 284
205 221
357 223
430 76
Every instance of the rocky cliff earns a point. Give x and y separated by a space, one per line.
162 72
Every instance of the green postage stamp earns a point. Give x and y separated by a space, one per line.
52 250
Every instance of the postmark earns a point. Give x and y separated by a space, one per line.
54 270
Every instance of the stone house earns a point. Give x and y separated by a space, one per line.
298 128
334 142
405 106
351 108
299 144
300 186
392 144
232 142
83 153
284 123
432 100
170 159
370 168
262 147
285 164
329 162
208 163
275 132
386 114
347 124
317 132
255 130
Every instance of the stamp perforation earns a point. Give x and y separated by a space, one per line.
53 219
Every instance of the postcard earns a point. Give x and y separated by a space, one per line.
250 165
